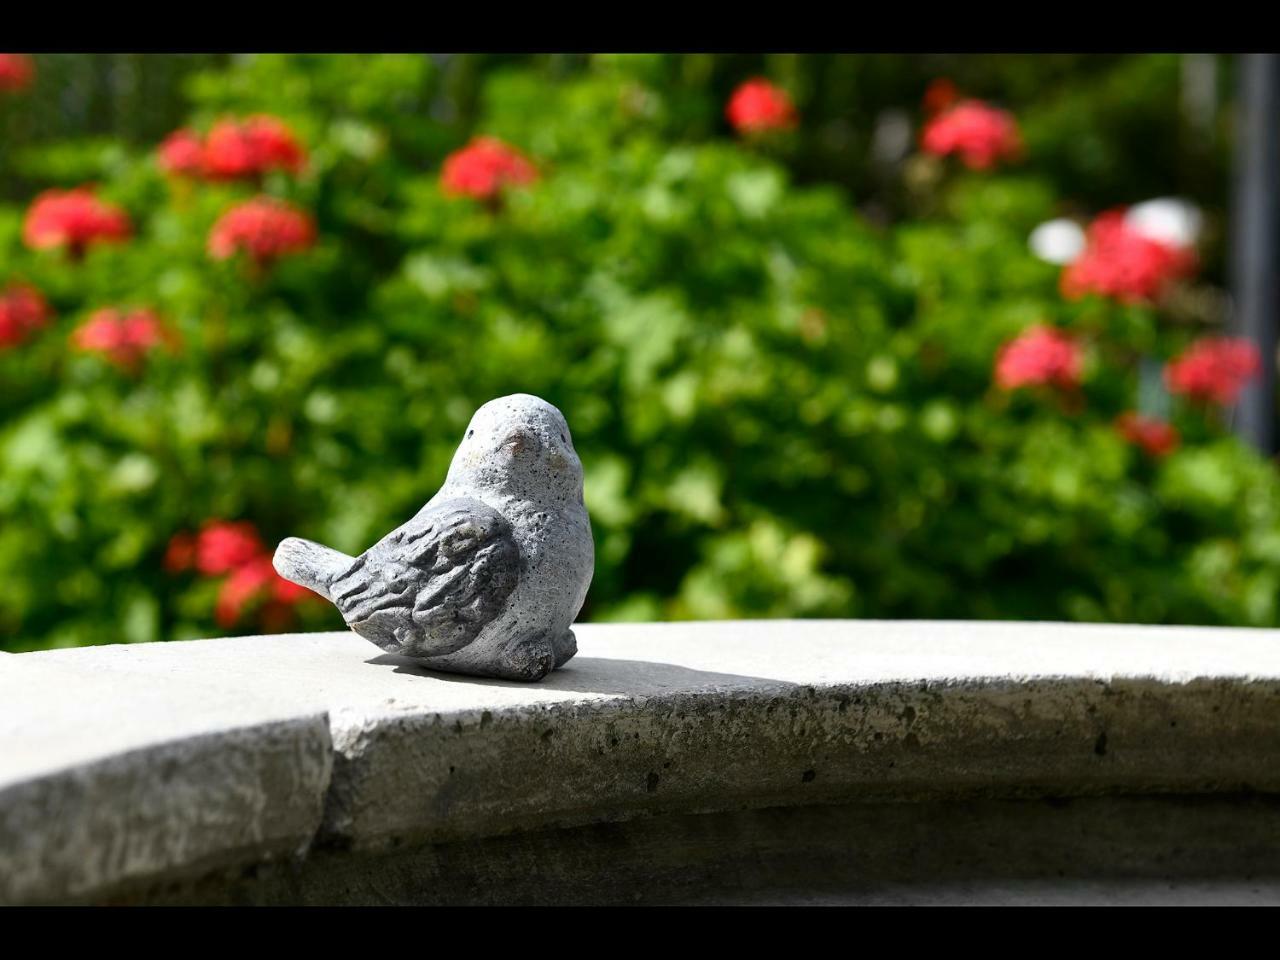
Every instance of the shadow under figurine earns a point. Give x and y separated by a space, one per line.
490 574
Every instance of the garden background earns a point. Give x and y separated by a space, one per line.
817 358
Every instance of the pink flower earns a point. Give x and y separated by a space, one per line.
980 134
483 168
1154 436
182 153
1214 369
22 311
124 338
246 150
264 228
17 70
1039 356
758 105
73 219
1124 264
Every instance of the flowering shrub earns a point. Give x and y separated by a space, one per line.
1122 262
250 149
782 409
257 583
1150 434
1040 356
264 228
22 311
483 168
124 338
221 547
237 551
981 135
758 106
1214 370
182 153
233 150
73 220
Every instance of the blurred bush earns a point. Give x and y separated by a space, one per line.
784 408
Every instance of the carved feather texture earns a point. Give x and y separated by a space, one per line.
436 581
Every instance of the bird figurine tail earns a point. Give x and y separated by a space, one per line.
309 564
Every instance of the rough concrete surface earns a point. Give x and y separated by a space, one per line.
676 719
105 783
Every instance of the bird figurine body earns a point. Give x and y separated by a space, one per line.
487 578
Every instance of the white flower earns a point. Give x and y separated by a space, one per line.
1167 220
1057 241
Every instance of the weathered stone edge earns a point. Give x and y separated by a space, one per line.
428 777
170 809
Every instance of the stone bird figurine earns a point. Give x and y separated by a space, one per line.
488 577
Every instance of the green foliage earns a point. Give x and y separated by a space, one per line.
783 410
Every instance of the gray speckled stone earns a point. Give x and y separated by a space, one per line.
105 784
488 577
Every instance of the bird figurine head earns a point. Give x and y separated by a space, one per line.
520 447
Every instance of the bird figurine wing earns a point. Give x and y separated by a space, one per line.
430 586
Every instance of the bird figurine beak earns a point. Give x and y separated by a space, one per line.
519 442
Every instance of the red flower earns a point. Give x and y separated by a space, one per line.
124 338
17 70
1120 262
1151 434
758 105
255 580
1038 356
277 147
940 94
1214 369
286 591
246 150
483 168
22 310
182 153
73 219
979 133
264 228
246 583
236 549
223 546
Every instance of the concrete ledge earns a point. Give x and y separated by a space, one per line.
105 783
321 743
